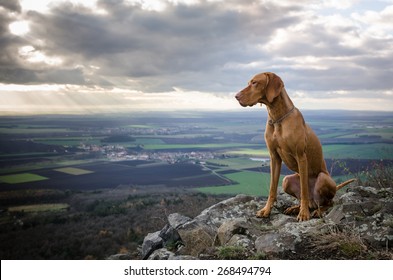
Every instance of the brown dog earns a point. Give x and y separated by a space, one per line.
291 140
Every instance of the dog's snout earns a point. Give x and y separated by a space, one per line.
237 96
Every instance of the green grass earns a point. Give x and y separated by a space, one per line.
73 171
358 151
342 134
21 178
250 183
148 141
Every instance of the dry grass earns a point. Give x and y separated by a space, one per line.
344 243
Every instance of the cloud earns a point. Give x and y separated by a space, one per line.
187 45
10 5
200 46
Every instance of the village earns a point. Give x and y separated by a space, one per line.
121 153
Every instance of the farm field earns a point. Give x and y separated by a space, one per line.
248 182
206 151
35 208
21 178
83 187
105 174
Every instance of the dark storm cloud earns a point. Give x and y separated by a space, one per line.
9 69
11 5
13 70
185 45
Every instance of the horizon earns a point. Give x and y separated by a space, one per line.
185 113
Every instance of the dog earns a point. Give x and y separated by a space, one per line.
290 140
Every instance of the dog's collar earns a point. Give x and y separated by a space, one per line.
271 122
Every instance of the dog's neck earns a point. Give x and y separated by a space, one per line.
280 106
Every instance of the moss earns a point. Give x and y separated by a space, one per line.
231 253
351 249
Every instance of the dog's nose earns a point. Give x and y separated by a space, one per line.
237 96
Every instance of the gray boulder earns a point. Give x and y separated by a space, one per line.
361 218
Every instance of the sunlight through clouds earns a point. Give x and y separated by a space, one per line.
19 28
30 54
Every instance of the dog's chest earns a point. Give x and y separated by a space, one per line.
275 136
277 140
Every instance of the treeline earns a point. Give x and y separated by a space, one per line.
94 228
27 146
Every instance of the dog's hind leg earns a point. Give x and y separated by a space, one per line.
291 185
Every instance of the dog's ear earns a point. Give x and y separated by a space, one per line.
274 86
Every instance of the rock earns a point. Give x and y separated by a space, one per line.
161 254
151 242
182 257
367 191
362 215
120 257
229 228
239 240
200 233
336 215
169 235
267 243
176 220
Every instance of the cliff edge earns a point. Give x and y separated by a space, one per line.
358 226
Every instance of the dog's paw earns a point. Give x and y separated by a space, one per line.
304 215
263 213
293 210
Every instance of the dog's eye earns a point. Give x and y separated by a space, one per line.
254 83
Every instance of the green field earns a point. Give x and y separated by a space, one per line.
148 141
249 182
359 151
73 171
33 208
21 178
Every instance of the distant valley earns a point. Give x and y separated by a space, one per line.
65 168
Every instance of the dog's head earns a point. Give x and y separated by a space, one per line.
262 88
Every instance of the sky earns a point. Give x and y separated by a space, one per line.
93 56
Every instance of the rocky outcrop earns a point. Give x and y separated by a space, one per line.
360 225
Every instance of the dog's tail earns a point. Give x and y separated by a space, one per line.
340 186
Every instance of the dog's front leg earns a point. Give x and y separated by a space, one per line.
304 213
275 168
